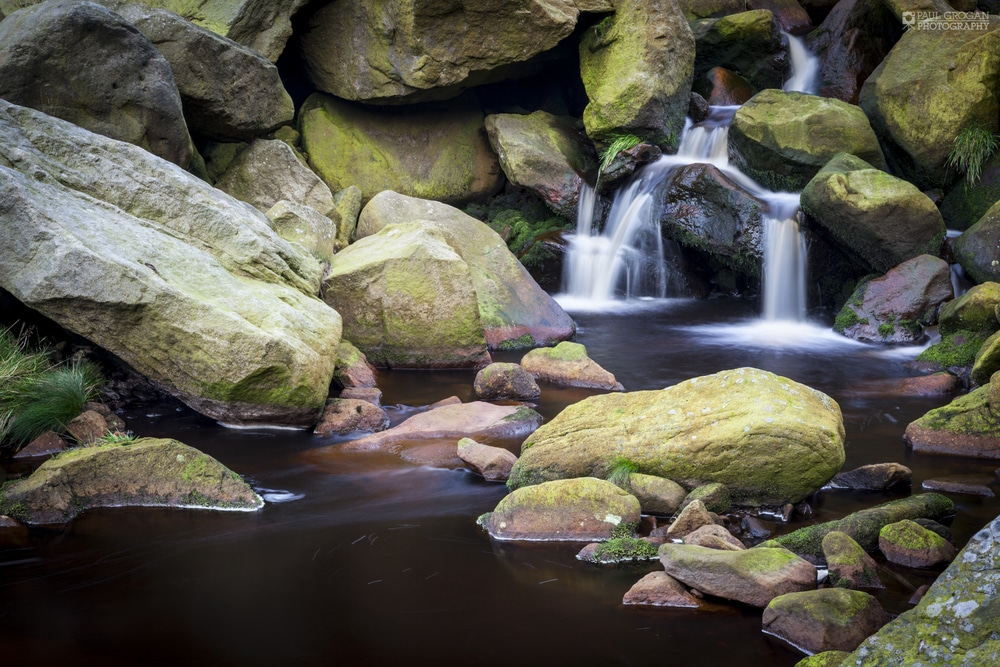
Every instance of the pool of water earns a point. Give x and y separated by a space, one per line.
365 557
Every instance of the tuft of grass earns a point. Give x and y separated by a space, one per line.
620 471
117 438
972 148
50 400
620 143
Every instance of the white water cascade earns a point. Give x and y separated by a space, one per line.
627 258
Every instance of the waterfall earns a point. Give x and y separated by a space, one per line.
627 258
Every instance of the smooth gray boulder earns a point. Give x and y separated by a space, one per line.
637 66
306 226
229 91
85 64
149 472
190 287
514 310
769 439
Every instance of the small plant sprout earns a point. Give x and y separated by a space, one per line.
972 148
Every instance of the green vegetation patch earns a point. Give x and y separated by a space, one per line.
525 223
955 349
972 148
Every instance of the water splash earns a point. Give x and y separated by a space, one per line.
804 67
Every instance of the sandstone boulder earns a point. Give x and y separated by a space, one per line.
147 472
568 364
770 440
829 619
659 589
910 544
849 565
351 415
492 463
500 381
187 285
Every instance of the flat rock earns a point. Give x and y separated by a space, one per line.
974 485
873 477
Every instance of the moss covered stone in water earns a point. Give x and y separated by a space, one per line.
954 349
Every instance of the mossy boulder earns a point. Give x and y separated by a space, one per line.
547 154
751 576
657 495
407 300
746 43
430 151
986 361
99 73
863 526
304 225
829 619
515 312
824 659
964 204
352 368
156 472
955 622
568 364
976 248
849 565
567 509
187 285
769 439
931 86
229 91
894 308
880 220
268 171
955 350
782 139
637 66
968 426
406 51
973 311
910 544
502 380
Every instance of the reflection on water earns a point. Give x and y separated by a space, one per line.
368 558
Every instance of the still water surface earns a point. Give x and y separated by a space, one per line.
367 559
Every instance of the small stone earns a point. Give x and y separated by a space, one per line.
715 496
908 543
692 517
505 381
873 477
492 463
973 485
88 427
346 415
755 528
47 443
371 394
849 565
919 594
714 537
659 589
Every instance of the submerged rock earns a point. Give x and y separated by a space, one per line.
782 139
751 576
562 510
190 287
955 623
637 66
568 364
156 472
454 420
769 439
829 619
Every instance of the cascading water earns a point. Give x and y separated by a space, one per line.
627 259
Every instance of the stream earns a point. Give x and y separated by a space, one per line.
365 558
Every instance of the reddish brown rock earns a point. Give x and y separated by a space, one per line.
45 444
349 415
910 544
714 537
849 565
500 381
352 368
722 87
829 619
975 485
659 589
568 364
935 384
88 427
492 463
692 518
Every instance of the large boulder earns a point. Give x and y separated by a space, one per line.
782 139
968 426
229 91
864 525
932 85
187 285
893 308
751 576
407 300
577 510
955 622
157 472
637 66
973 311
850 43
404 51
514 310
544 153
829 619
263 25
769 439
976 249
703 208
430 151
747 43
85 64
268 171
879 219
